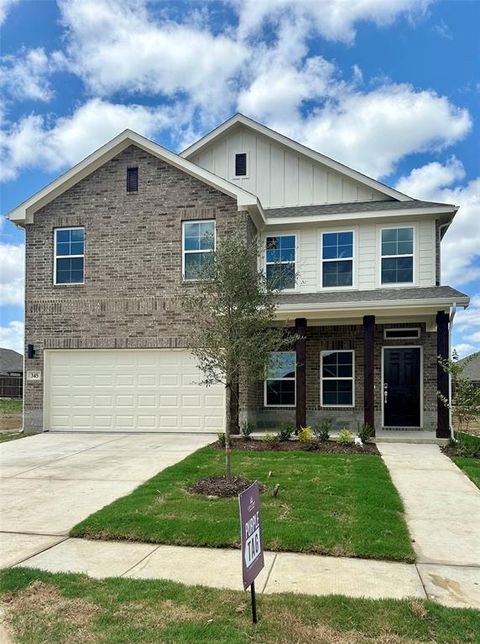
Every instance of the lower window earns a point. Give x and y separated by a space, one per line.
337 378
280 381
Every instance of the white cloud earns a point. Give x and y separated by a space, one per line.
11 336
461 244
332 19
32 143
464 349
467 327
12 261
5 6
117 46
25 76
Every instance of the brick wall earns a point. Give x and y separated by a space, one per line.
133 283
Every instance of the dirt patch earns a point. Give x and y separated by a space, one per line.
219 486
326 447
11 422
42 606
156 615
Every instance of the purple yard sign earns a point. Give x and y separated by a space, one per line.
252 551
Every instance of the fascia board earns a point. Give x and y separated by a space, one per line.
372 305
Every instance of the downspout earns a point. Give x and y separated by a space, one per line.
453 310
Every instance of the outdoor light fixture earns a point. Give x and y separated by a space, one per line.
30 351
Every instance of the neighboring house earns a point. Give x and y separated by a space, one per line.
11 373
471 369
113 243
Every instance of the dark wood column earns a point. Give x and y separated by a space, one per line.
301 374
443 351
369 364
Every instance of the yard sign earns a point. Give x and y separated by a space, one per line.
251 537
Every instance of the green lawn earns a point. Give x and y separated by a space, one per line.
4 438
471 467
345 505
10 406
43 607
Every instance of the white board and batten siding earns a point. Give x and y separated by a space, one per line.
144 390
366 253
279 176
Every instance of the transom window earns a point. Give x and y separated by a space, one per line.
280 256
241 164
337 259
397 256
198 241
69 255
280 381
337 378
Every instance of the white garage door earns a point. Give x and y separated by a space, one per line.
129 390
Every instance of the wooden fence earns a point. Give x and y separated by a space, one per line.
11 387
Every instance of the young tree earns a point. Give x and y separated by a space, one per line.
465 403
234 329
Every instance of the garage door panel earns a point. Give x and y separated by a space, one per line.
129 390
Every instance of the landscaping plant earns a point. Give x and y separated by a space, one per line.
365 432
286 431
345 437
305 435
247 429
465 402
322 431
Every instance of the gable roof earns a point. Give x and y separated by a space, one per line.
24 212
471 368
10 361
238 118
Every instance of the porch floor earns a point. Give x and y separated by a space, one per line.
408 436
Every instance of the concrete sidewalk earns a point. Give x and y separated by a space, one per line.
283 572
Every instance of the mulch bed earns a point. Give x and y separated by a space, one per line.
326 447
219 486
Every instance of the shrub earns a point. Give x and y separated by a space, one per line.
270 439
247 429
221 439
345 437
286 431
322 431
305 435
365 432
467 445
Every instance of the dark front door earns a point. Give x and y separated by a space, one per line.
401 387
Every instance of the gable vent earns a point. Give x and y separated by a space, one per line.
132 179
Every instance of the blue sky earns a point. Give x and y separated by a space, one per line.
391 88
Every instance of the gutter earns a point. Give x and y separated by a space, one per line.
376 304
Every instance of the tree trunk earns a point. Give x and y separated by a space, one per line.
228 446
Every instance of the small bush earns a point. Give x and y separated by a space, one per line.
270 439
247 429
345 437
286 431
322 431
305 435
221 439
365 432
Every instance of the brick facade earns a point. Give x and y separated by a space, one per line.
133 282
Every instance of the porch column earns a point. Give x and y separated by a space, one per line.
368 376
301 373
443 351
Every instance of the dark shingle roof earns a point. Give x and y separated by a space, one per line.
472 366
345 208
10 361
374 295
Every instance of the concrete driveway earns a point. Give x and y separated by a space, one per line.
50 482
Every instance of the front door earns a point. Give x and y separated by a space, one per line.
401 387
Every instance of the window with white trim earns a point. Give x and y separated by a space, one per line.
280 257
280 380
69 262
198 243
241 164
337 373
397 256
337 259
407 333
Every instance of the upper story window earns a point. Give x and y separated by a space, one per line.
337 378
280 380
397 256
337 259
241 164
132 179
280 257
198 240
69 255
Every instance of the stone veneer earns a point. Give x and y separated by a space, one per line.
133 264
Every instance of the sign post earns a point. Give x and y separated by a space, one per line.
251 538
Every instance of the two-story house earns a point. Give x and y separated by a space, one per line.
112 244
